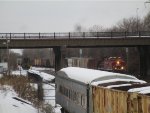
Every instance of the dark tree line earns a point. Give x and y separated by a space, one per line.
44 57
12 57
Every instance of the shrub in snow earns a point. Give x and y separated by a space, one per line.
48 108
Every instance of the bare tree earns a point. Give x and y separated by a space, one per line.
97 28
147 22
45 55
79 28
131 24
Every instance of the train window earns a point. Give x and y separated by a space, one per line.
68 93
74 98
78 99
83 101
64 91
60 89
71 95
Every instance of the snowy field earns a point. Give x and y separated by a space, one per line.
46 77
49 96
19 72
11 103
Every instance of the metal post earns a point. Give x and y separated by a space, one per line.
97 34
10 35
24 35
54 35
83 34
111 34
7 44
127 58
137 19
139 34
39 36
125 34
69 35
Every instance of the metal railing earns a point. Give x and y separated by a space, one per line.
72 35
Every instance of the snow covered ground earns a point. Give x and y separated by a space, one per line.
41 68
35 70
19 72
46 77
11 103
49 96
7 94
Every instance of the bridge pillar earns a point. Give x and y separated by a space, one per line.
59 52
144 52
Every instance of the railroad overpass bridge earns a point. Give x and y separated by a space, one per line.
59 41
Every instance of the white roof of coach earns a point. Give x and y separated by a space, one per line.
89 75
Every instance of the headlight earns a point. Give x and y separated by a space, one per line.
118 62
122 67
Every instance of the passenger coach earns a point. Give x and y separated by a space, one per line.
80 90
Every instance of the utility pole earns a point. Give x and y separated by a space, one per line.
127 59
7 47
137 19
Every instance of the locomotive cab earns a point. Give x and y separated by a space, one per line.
116 64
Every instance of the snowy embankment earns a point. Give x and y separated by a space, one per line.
35 70
49 97
49 89
42 68
11 103
19 72
46 77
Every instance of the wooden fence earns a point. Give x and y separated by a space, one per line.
116 101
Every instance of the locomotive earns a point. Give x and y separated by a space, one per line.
115 64
80 90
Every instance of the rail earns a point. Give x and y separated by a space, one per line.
72 35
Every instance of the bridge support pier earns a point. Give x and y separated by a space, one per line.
144 52
59 52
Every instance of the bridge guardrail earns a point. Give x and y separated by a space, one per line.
72 35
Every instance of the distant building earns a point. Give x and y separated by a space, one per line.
3 67
77 62
19 61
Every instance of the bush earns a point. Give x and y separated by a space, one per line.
48 108
22 86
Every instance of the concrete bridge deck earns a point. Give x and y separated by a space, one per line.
74 39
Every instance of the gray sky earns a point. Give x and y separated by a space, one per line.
62 16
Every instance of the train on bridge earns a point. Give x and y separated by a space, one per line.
80 90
